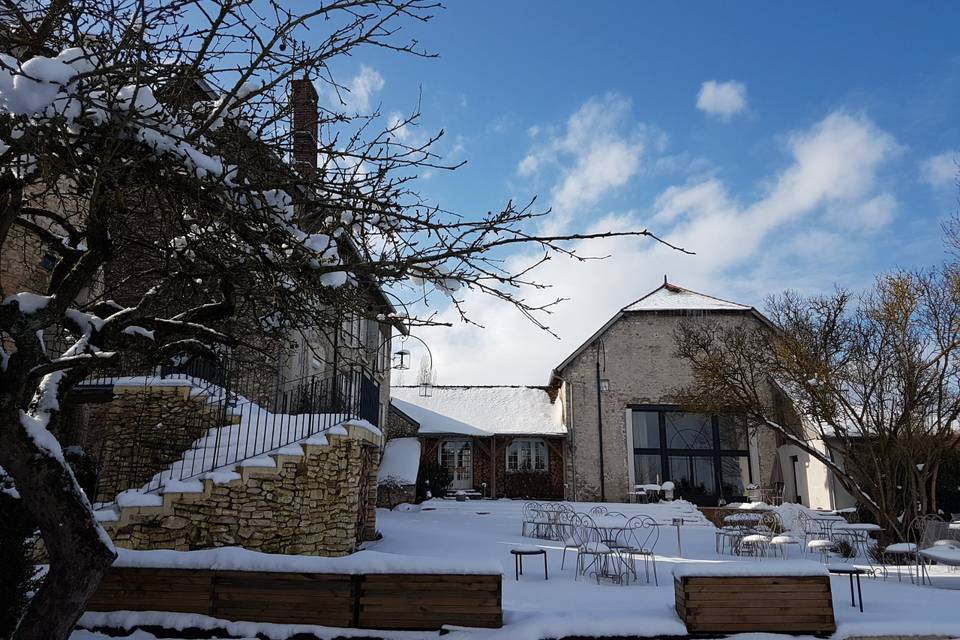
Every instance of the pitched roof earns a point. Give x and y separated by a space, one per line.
667 298
670 297
481 410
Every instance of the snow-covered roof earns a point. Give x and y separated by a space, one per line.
668 297
400 461
482 410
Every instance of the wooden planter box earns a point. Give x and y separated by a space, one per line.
372 601
774 604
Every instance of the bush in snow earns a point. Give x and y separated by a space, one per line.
433 481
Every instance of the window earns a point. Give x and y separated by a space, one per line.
527 455
646 429
733 432
647 468
734 475
706 456
688 430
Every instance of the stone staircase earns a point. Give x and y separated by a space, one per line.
249 502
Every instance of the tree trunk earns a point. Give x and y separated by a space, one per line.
78 549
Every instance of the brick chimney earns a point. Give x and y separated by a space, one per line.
303 97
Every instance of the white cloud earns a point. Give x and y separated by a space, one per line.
597 151
722 99
940 171
741 252
361 89
870 215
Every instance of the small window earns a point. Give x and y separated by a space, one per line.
48 261
527 455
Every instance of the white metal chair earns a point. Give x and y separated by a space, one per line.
754 544
530 515
781 544
604 560
638 537
823 547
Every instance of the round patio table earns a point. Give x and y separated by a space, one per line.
609 526
742 518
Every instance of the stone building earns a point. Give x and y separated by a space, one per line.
264 485
625 428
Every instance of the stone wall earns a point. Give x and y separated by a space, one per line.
640 362
319 503
140 432
399 425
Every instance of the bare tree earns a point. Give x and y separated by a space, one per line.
144 146
875 378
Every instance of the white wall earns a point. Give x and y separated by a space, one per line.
818 488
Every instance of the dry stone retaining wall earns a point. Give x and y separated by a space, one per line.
141 431
320 502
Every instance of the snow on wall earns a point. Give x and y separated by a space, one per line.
400 461
482 410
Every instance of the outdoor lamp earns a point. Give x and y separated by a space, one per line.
403 354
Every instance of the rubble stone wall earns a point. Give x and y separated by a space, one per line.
319 503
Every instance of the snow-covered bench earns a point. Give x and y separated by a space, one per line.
784 596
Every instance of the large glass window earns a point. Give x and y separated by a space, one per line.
706 456
688 430
527 455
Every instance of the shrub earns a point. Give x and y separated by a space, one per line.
433 479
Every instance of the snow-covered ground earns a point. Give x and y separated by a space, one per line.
483 531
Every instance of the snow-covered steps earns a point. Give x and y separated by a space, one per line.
135 504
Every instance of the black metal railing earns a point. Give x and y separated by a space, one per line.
236 416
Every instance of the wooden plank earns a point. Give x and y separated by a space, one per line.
737 628
740 591
758 580
736 599
801 606
446 600
732 616
396 578
271 576
426 591
283 598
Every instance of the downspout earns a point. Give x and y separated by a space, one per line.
573 446
603 494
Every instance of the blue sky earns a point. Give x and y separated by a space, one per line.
821 150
